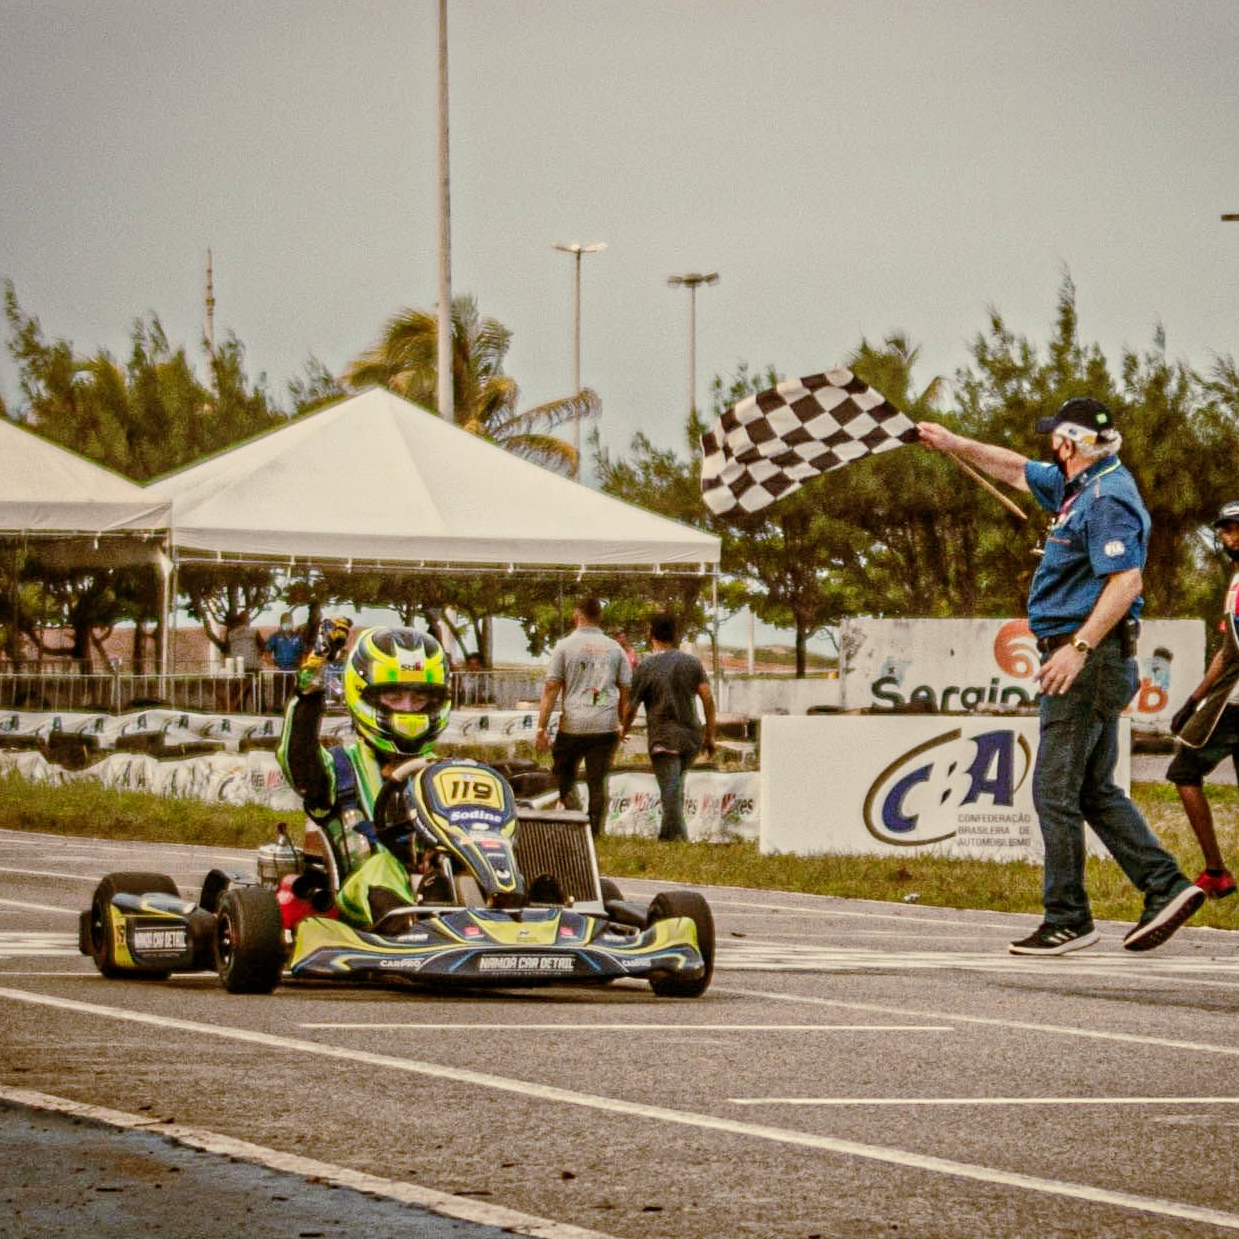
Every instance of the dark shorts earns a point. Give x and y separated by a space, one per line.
1189 766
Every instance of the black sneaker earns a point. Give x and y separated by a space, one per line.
1054 940
1156 926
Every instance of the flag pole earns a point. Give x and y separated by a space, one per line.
988 485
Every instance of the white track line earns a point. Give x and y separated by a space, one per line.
511 1028
339 1176
658 1114
1058 1030
984 1101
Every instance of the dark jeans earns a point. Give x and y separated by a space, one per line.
597 749
1073 783
669 771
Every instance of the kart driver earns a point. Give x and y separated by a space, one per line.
396 690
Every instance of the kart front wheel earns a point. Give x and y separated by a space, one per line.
249 940
102 930
667 905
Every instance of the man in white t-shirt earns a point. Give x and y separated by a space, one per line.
592 672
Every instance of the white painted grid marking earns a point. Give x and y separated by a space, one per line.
340 1176
660 1114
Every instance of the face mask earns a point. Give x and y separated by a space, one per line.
286 628
1055 458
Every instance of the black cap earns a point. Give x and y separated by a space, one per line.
1081 419
1227 513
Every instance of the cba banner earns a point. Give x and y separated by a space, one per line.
950 786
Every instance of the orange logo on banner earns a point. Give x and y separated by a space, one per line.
1015 649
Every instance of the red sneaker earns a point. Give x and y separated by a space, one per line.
1217 885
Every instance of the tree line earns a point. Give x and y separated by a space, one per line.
904 533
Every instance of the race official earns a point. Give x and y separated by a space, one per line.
1083 609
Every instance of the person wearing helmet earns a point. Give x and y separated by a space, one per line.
1207 724
395 685
1083 607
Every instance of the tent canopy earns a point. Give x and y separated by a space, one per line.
374 479
46 490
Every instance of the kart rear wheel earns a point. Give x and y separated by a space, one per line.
611 892
666 905
249 940
102 935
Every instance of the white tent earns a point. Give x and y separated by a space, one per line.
81 514
46 490
375 480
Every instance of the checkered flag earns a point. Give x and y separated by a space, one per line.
765 446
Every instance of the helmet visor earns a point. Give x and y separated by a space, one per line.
406 698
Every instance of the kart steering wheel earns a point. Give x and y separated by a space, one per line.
393 784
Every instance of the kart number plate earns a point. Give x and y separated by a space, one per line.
156 940
526 965
460 786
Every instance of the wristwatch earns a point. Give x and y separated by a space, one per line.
1079 644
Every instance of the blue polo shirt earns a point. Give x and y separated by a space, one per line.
1102 527
286 649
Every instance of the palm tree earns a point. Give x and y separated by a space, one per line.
405 362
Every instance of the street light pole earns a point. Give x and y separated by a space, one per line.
444 395
576 249
692 282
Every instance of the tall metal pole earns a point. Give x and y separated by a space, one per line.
445 394
576 249
692 282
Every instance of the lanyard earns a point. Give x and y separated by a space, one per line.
1069 502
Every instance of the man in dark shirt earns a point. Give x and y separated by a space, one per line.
1083 608
669 684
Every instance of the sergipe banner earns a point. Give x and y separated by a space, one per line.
989 665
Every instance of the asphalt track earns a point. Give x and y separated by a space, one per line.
857 1069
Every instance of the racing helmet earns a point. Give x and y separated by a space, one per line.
1227 514
396 689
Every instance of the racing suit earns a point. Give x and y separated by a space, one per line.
338 789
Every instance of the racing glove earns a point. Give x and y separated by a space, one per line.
1182 714
330 640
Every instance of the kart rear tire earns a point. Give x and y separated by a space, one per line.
102 938
666 905
249 940
611 892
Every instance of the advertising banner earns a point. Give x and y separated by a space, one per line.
989 664
718 806
863 784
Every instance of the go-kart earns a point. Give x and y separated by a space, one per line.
477 919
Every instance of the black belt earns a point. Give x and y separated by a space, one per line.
1047 645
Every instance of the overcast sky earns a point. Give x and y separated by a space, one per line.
850 168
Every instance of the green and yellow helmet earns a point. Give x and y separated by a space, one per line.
396 688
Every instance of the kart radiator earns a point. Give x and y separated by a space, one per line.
558 842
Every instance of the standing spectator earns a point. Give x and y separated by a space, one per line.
629 653
1083 608
473 681
243 645
593 674
285 648
669 683
1207 724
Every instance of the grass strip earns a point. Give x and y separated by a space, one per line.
83 808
